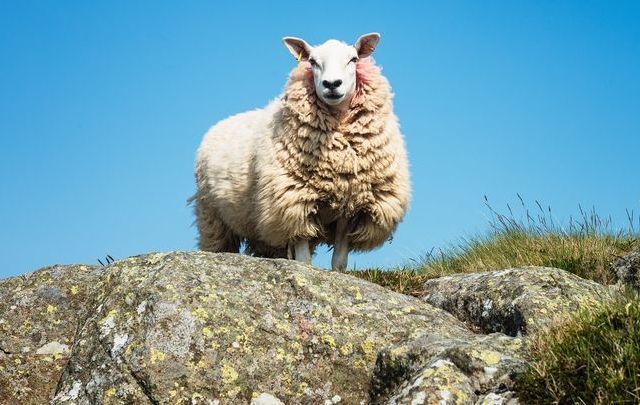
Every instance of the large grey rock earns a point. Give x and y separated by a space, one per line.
221 328
514 301
627 269
39 315
196 326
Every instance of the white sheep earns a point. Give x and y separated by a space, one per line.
323 163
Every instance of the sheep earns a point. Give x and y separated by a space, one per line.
325 163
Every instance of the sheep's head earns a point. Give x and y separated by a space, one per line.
333 64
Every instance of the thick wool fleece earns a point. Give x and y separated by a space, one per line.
287 172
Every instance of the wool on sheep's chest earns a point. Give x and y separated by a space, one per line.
343 158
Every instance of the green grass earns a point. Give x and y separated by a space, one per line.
594 359
586 246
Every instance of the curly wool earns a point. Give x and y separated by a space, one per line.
315 164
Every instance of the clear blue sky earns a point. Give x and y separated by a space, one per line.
103 105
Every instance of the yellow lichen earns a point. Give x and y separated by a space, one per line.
200 313
329 340
296 346
357 294
281 355
51 309
228 373
233 392
154 259
156 356
302 389
346 349
110 392
74 289
488 356
408 310
300 281
207 332
206 298
369 350
282 328
360 363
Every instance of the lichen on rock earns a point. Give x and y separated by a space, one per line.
39 315
516 301
222 328
227 326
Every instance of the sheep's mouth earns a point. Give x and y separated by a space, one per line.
333 96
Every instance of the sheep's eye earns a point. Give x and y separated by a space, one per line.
354 60
313 62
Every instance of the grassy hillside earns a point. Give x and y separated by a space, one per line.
586 246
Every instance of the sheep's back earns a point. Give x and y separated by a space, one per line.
225 166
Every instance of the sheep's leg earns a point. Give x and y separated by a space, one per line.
215 235
260 249
340 246
302 251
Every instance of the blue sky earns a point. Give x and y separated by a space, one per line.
103 105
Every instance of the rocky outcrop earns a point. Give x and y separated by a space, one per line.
513 301
40 314
221 328
627 270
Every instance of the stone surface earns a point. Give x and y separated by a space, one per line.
266 399
432 369
628 270
39 315
515 301
196 326
210 328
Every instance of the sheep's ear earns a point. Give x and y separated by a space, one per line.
366 44
298 47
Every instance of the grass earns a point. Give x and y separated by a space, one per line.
586 246
594 359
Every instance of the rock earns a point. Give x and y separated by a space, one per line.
266 399
430 369
53 348
515 301
223 329
628 270
39 316
228 327
503 398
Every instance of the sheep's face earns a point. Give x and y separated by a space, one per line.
334 65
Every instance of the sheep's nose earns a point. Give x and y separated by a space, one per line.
332 85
